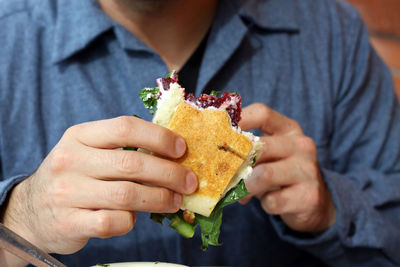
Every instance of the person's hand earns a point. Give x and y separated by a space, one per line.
287 179
87 188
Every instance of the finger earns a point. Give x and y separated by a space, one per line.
123 165
88 193
104 223
137 166
284 201
283 146
245 200
129 132
260 116
276 147
270 176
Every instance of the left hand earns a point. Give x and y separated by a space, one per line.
287 179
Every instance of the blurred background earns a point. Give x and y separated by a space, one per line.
383 21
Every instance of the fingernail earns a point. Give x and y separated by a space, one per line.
177 200
134 217
245 200
191 182
271 202
180 146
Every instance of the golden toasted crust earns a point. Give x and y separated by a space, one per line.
214 152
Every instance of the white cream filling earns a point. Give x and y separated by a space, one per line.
168 103
245 169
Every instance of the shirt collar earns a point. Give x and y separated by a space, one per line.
273 15
80 22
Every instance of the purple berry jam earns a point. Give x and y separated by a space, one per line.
233 102
163 83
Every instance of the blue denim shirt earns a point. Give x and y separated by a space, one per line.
65 62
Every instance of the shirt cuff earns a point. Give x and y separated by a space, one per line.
328 245
8 184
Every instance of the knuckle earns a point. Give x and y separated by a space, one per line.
123 195
312 197
165 199
61 158
63 228
269 205
59 191
295 125
306 144
71 130
259 105
263 108
124 126
74 130
103 225
310 170
129 163
170 176
161 137
267 174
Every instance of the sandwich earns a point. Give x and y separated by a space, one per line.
218 152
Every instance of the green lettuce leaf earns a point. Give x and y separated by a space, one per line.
210 226
215 93
169 75
219 93
149 97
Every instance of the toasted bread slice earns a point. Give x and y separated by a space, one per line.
219 153
215 152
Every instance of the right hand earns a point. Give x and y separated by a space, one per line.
87 188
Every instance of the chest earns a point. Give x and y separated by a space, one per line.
104 82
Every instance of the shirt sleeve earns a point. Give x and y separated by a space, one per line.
364 171
8 184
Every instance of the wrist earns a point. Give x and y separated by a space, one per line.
15 213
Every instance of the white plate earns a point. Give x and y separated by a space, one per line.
143 264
